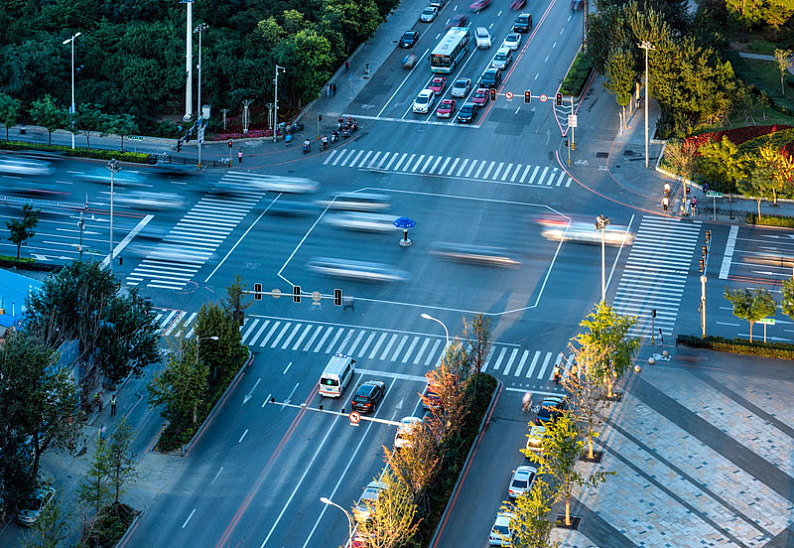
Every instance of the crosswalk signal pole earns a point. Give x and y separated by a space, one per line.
653 326
703 306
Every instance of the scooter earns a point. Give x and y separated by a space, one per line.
334 137
306 148
345 133
324 144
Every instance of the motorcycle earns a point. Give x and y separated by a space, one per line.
325 143
345 133
334 137
306 147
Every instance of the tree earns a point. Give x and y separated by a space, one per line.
393 520
530 526
22 229
747 12
416 463
446 418
681 156
751 305
608 335
760 181
50 530
720 164
225 355
121 460
357 21
777 14
117 333
233 303
88 118
783 58
787 306
779 166
561 447
181 388
45 112
479 334
120 124
586 392
94 491
621 77
9 111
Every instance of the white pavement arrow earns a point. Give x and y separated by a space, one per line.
251 392
40 257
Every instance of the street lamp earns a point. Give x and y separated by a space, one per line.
72 109
188 61
114 168
329 502
200 28
602 221
275 104
646 46
446 331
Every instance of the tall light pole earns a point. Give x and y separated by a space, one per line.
275 104
188 62
646 46
200 28
72 109
602 221
114 168
329 502
446 331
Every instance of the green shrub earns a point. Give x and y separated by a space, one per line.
777 350
577 76
777 140
138 158
770 220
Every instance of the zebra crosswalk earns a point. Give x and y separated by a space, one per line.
656 272
403 348
449 166
173 262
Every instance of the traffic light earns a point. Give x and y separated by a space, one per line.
493 94
179 145
296 293
319 117
258 292
653 312
230 143
708 236
558 100
337 297
702 265
527 96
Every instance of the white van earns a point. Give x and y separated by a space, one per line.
337 375
483 38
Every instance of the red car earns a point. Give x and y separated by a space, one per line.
445 108
518 4
458 20
437 84
477 5
480 97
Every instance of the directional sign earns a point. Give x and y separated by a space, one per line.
572 120
509 95
134 138
767 321
544 98
713 194
355 418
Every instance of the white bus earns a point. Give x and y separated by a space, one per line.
337 375
450 50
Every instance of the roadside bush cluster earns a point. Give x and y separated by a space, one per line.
777 350
131 157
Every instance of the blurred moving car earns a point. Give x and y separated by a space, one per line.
458 20
357 201
501 535
356 270
155 201
518 4
429 14
482 37
97 174
407 428
364 222
475 254
561 229
478 5
25 166
286 185
171 252
286 208
369 498
368 396
409 39
523 478
445 108
174 171
42 497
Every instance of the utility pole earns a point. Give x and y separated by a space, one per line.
225 111
573 129
703 279
275 104
200 28
246 114
646 46
114 168
72 109
188 62
602 221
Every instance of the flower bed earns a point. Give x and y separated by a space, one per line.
737 136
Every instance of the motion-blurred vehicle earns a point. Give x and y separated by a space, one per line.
357 201
480 97
482 37
42 497
286 208
153 232
458 20
512 41
364 222
408 426
173 171
518 4
409 61
356 270
368 396
437 84
461 87
445 108
429 14
523 478
478 5
146 200
409 39
25 166
560 229
101 174
475 254
287 185
171 252
467 113
576 4
368 500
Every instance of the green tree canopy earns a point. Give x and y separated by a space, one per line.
751 305
22 229
46 113
9 111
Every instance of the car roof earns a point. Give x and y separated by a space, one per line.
551 399
481 30
503 518
526 470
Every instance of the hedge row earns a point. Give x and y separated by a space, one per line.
770 220
577 75
133 157
740 346
26 263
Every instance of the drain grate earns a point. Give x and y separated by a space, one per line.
602 154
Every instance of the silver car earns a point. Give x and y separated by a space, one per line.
41 498
461 87
356 270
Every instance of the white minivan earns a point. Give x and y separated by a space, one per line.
337 375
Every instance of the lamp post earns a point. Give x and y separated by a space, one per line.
275 104
602 221
646 46
446 331
72 110
188 62
329 502
114 168
200 28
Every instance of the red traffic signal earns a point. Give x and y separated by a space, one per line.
230 143
493 94
559 99
527 96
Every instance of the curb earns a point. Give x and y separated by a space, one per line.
456 490
131 529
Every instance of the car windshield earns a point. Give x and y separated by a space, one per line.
422 99
500 530
521 19
482 33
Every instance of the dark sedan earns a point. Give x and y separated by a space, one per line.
551 408
409 39
467 113
368 396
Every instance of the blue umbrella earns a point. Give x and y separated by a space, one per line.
405 223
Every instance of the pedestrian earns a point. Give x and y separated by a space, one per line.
526 402
557 374
113 405
101 433
665 203
240 156
349 303
694 206
347 66
667 189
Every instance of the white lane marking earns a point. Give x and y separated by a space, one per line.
188 518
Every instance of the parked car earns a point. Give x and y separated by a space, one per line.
408 425
42 497
429 14
368 500
445 108
491 78
550 408
467 113
518 4
430 400
535 438
368 396
409 39
523 478
523 23
482 37
501 535
461 87
437 84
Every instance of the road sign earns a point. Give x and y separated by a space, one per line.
508 95
544 98
355 418
572 120
713 194
276 293
767 321
134 138
317 296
